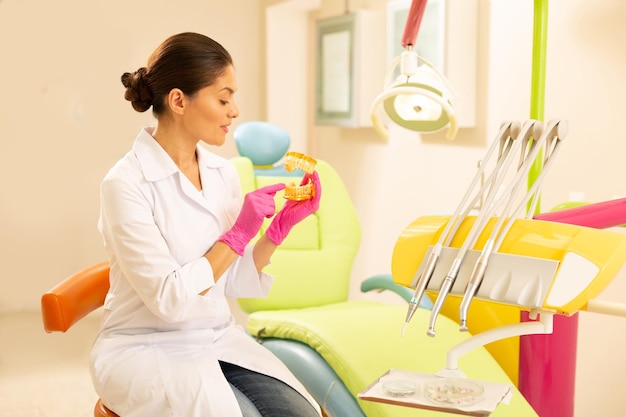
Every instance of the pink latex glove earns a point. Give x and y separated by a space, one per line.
294 212
257 205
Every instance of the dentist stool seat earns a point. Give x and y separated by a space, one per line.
335 346
71 300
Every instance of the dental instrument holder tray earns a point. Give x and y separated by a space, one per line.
517 280
540 266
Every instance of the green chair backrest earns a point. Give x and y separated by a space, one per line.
312 267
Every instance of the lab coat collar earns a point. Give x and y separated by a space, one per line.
157 164
208 159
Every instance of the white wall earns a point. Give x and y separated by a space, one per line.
287 33
64 121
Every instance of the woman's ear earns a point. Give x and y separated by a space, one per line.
176 100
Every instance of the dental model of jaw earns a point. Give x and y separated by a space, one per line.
293 161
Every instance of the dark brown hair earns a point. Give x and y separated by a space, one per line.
188 61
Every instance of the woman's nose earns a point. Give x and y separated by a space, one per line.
234 111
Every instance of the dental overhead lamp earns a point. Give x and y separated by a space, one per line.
420 98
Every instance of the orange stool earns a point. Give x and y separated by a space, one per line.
100 410
71 300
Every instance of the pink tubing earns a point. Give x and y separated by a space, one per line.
413 22
547 367
597 215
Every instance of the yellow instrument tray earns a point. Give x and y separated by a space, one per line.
540 264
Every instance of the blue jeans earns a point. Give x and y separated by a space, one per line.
260 395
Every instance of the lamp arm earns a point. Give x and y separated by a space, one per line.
413 22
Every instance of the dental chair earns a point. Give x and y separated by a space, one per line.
335 346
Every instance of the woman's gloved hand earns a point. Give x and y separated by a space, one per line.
257 205
294 212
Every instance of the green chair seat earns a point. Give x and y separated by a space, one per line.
361 340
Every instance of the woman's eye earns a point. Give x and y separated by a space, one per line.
225 102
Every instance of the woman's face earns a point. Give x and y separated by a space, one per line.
212 109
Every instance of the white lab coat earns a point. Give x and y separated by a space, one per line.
158 350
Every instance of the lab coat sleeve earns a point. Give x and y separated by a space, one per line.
169 290
245 281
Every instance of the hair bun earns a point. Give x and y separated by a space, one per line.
137 90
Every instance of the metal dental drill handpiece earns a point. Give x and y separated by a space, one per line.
530 149
481 220
508 130
552 135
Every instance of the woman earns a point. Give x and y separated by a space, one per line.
177 235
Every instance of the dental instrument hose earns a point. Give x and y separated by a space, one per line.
508 129
550 139
481 221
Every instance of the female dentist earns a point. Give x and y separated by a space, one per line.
177 235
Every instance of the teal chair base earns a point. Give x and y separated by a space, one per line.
317 376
